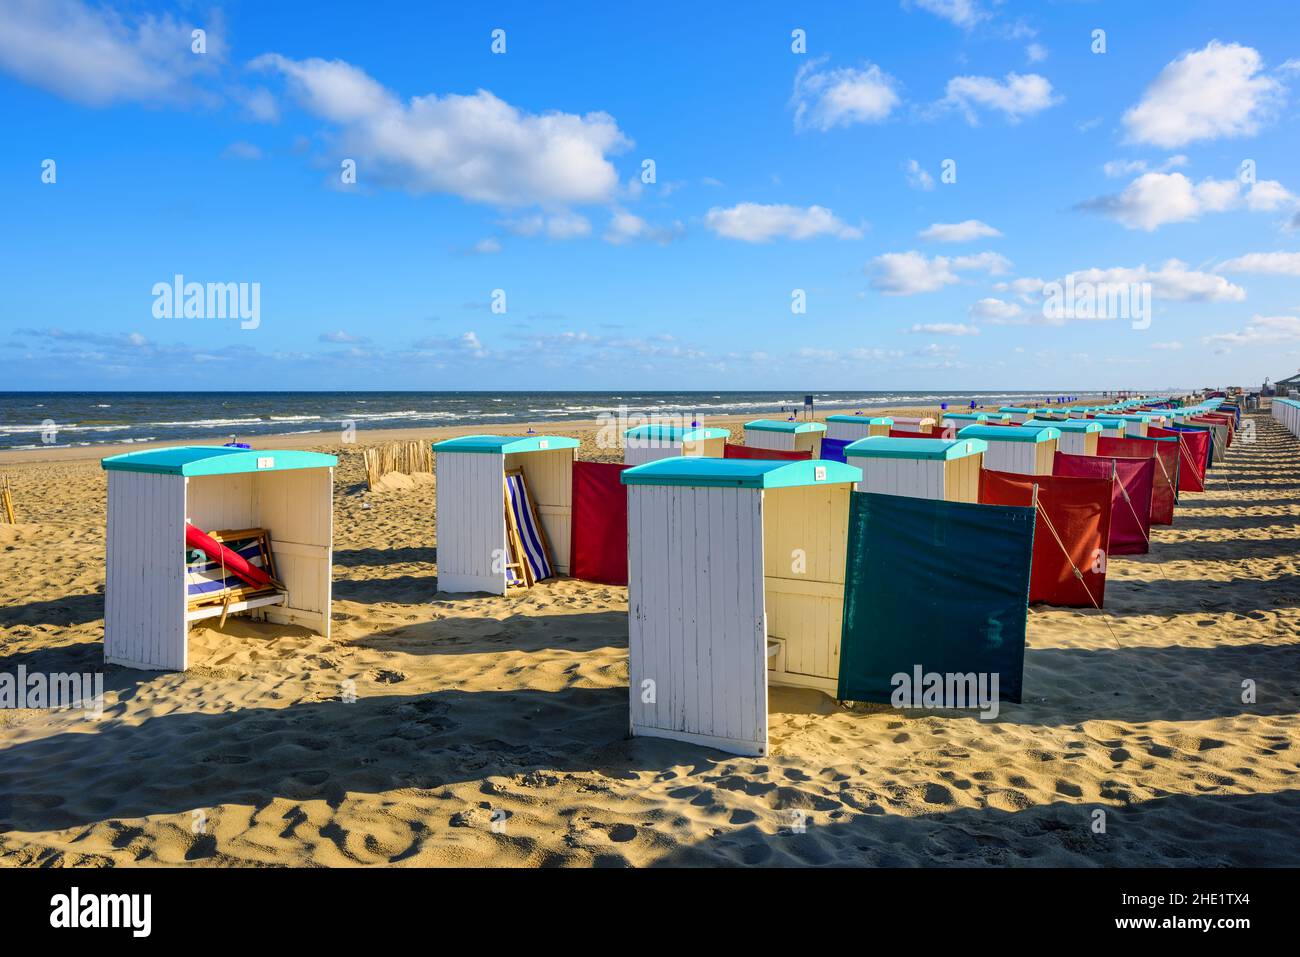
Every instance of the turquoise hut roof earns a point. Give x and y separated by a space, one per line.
869 419
703 472
778 425
1007 433
674 433
505 444
1069 425
215 460
885 447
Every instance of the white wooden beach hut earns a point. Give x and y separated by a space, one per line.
735 581
1078 436
1112 426
1135 425
284 500
649 443
1015 448
470 520
1018 413
850 428
1287 412
959 420
911 423
943 469
785 436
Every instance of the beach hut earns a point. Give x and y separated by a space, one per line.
736 579
198 532
648 443
1287 413
785 436
1112 426
1025 451
911 423
943 469
1078 436
1135 424
1018 413
504 502
850 428
959 420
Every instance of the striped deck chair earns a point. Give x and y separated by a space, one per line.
531 535
204 581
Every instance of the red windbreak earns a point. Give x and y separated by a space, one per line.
1130 504
599 549
1078 509
1192 448
730 451
1165 492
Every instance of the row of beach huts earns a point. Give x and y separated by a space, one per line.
833 555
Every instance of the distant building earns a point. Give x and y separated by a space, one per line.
1288 385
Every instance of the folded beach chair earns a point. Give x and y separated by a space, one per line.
531 538
213 589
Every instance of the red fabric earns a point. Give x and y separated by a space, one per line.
1223 418
1164 492
936 434
1079 510
1130 521
1191 464
599 543
196 537
730 451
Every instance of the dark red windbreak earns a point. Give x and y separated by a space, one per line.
1079 511
938 433
1219 418
599 543
1130 503
1191 463
730 451
1165 493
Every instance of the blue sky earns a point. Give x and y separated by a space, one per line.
776 171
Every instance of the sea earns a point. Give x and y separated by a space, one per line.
43 420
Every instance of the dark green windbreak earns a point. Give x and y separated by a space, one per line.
943 585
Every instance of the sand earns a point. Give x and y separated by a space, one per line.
493 731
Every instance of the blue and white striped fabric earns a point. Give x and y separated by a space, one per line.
203 574
529 533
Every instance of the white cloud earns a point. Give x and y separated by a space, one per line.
560 225
961 13
945 329
1261 330
1028 289
625 227
1036 53
1016 96
996 311
340 337
1154 199
824 99
487 247
917 177
97 56
1173 280
1167 346
962 232
1119 168
478 147
1219 91
905 274
1278 264
759 223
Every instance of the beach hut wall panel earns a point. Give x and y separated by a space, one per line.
785 436
1078 436
1112 427
913 424
701 575
805 533
470 524
151 496
943 469
1017 413
1026 451
850 428
1287 413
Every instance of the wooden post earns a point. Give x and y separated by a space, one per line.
8 503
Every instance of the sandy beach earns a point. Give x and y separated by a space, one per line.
489 731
